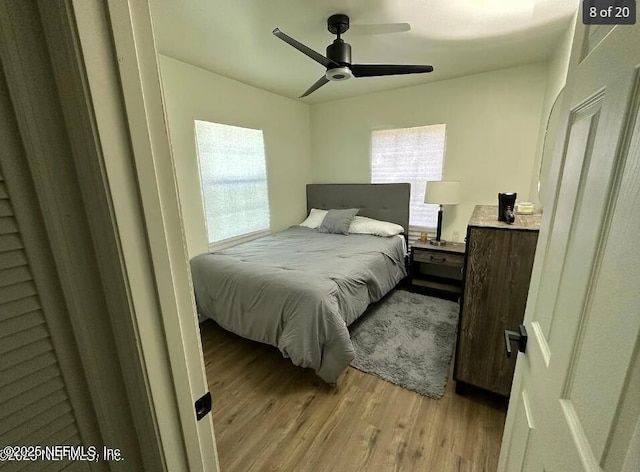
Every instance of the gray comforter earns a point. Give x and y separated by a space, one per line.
298 290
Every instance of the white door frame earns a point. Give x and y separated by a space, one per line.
140 171
92 67
132 32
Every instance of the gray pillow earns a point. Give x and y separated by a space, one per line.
338 221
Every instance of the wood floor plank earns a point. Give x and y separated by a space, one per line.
271 415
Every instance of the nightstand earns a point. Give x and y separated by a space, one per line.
438 268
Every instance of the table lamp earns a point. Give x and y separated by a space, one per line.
441 192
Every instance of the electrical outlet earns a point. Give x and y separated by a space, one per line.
455 236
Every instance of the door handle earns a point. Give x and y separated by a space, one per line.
521 337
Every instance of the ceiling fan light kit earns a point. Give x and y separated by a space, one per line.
339 73
338 58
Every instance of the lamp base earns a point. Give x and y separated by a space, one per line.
435 242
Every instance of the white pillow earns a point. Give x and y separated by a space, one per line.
315 218
364 225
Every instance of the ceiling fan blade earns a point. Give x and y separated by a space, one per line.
379 28
316 56
375 70
319 83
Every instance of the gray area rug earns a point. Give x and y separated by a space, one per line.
407 339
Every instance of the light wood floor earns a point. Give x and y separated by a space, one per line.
271 415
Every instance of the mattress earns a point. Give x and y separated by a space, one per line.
298 290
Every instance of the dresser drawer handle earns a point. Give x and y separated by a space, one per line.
437 259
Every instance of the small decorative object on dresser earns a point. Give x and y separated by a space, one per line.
438 268
498 265
506 206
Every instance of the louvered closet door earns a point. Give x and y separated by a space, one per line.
35 408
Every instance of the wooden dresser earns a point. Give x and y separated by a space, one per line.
497 270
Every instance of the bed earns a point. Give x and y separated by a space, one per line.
299 289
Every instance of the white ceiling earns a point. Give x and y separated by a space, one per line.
458 37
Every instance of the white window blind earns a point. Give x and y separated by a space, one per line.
413 155
234 180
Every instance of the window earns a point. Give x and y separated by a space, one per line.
413 155
234 180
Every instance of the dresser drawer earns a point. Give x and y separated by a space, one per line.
437 257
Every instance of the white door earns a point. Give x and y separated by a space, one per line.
575 401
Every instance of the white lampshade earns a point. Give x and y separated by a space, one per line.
442 192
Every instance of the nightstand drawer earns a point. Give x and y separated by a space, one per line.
436 257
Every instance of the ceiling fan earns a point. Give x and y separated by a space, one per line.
338 58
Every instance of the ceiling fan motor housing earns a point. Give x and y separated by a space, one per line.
339 52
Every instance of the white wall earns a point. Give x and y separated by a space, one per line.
492 120
192 93
557 68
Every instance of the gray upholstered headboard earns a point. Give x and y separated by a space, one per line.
386 202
